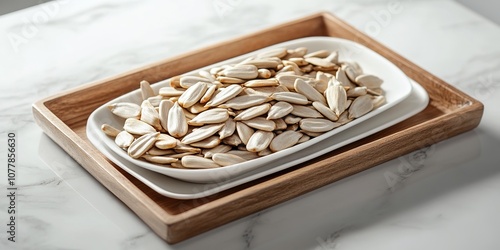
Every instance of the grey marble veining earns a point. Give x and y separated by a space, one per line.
441 197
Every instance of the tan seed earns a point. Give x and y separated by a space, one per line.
177 123
261 123
210 142
369 81
262 83
279 110
360 106
280 124
225 95
159 159
201 133
308 91
149 115
284 140
191 161
241 71
305 112
209 152
317 125
110 130
170 91
125 109
142 144
188 81
319 54
290 97
245 101
146 90
336 97
211 116
165 141
233 140
192 95
325 111
259 141
253 112
137 127
225 159
124 139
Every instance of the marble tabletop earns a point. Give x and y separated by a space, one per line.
449 199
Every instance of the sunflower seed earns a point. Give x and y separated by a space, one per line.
319 54
177 123
159 159
197 108
244 132
206 74
245 101
378 101
208 153
262 83
124 139
319 62
279 110
137 127
180 155
191 161
360 106
149 115
357 91
279 52
157 151
280 124
247 155
188 81
146 90
284 140
201 133
325 111
170 91
142 144
125 109
305 112
264 152
308 91
264 73
344 118
175 82
259 141
225 159
351 72
293 127
336 97
183 148
241 71
233 140
265 63
261 123
165 141
369 81
289 80
304 138
208 94
211 116
290 97
110 130
333 57
229 80
209 142
291 119
317 125
225 95
253 112
192 95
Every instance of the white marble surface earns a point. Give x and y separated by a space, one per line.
447 200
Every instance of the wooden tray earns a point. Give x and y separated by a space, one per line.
63 117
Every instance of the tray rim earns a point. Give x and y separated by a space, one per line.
170 222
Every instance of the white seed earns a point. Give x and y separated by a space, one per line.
369 81
209 152
336 97
305 111
266 63
137 127
177 123
259 141
261 123
146 90
319 54
170 91
208 94
124 139
158 151
209 142
290 97
262 83
192 95
229 80
325 111
308 91
342 78
333 57
357 91
304 138
253 112
317 125
142 144
378 101
211 116
244 132
233 140
201 133
125 109
279 52
188 81
289 80
245 101
291 119
183 148
225 95
280 124
149 115
159 159
241 71
279 110
165 141
247 155
165 106
225 159
206 74
284 140
191 161
228 129
319 62
197 108
110 130
344 118
264 152
360 106
264 73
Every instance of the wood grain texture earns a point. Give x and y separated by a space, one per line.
63 117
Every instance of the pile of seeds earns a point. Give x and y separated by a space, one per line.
234 113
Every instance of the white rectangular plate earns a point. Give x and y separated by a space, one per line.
178 189
396 86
